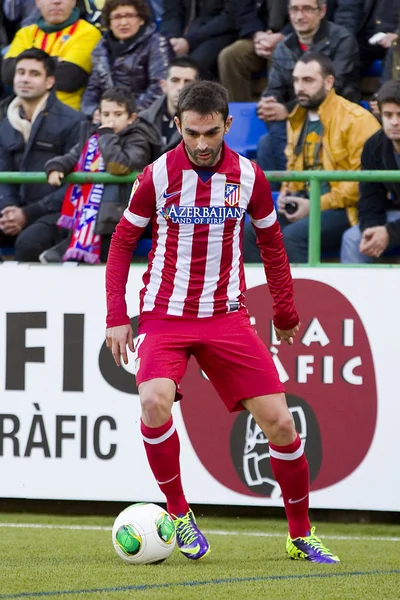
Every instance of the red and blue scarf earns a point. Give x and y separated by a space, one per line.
81 206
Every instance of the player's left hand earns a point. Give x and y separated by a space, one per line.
374 241
287 335
117 339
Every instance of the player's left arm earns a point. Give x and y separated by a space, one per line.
276 265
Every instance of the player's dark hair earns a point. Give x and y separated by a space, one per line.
389 92
324 62
205 98
320 3
185 63
47 61
141 7
121 96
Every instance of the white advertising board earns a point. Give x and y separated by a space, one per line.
69 418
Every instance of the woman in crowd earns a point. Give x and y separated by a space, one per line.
131 54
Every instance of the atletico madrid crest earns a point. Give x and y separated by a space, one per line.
232 194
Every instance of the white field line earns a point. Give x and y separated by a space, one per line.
365 538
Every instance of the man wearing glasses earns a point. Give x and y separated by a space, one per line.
311 33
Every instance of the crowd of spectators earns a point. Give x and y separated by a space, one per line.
92 85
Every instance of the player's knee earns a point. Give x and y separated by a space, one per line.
282 430
156 407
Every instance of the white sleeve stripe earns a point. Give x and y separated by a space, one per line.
135 219
266 222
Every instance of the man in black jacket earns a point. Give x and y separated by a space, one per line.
160 115
262 25
375 17
379 204
347 13
200 29
311 32
37 128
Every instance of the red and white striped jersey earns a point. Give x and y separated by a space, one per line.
195 265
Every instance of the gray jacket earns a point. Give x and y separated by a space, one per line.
334 41
123 153
153 117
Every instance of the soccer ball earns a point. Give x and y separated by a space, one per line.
143 533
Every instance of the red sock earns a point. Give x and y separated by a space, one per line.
162 449
290 468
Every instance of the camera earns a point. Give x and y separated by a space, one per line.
291 206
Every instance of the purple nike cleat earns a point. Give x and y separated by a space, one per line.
191 542
310 548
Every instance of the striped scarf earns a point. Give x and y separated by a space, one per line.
81 206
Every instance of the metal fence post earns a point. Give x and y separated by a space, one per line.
314 225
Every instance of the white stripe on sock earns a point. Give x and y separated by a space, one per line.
287 456
162 438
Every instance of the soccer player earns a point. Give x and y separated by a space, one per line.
192 304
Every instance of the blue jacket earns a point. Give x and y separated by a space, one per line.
55 131
139 68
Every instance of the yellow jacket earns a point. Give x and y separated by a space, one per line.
346 128
73 44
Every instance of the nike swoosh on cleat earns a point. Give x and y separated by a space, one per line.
166 196
296 501
194 550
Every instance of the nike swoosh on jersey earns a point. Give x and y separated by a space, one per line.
194 550
166 196
296 501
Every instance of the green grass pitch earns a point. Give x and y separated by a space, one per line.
73 558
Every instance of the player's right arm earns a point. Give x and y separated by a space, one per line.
139 212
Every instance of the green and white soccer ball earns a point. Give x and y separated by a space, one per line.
143 533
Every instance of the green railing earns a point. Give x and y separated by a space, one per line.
314 177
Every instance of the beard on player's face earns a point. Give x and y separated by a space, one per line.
205 157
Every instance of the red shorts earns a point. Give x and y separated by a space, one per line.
226 347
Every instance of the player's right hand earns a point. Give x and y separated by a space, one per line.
117 339
287 335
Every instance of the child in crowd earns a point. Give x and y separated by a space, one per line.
90 211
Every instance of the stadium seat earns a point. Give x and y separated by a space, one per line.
365 104
374 70
143 247
6 251
246 128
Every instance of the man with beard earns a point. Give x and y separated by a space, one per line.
192 303
325 132
311 33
